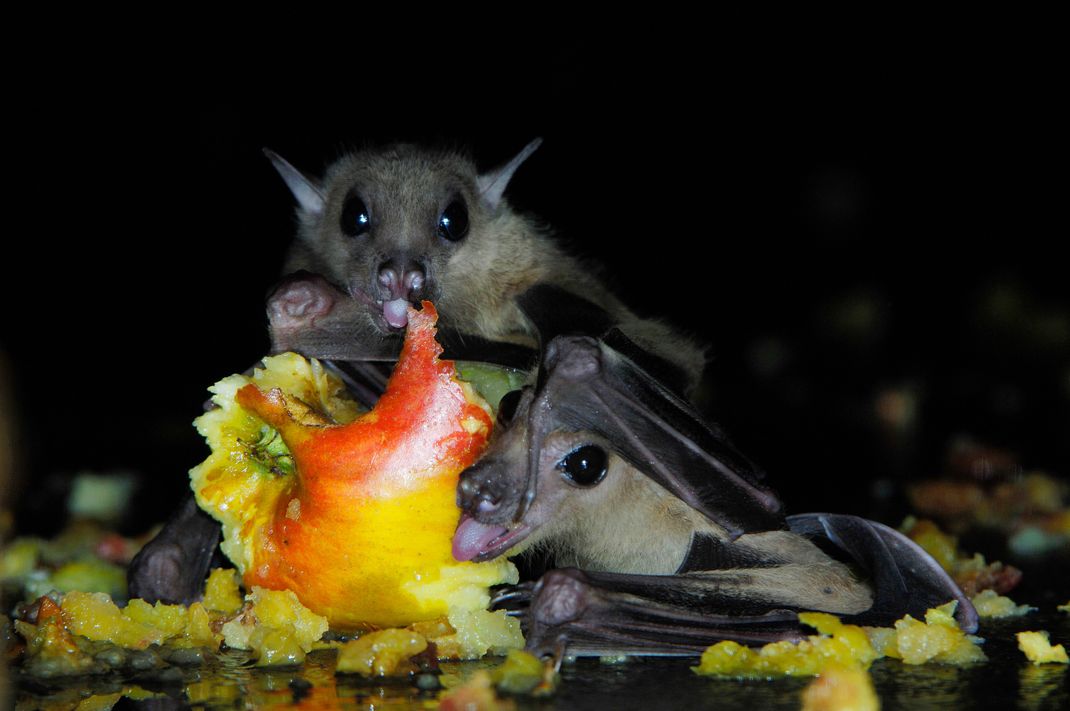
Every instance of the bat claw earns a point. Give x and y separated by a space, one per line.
510 597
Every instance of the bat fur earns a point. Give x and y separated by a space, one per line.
473 281
336 306
629 524
669 537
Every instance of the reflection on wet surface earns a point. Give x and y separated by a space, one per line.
1006 681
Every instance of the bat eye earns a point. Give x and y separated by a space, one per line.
453 224
355 217
585 466
507 406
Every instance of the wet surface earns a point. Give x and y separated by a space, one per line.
1006 681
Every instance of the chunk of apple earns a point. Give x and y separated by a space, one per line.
353 513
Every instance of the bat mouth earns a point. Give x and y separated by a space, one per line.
478 542
395 313
390 316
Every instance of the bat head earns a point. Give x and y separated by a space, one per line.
400 224
597 439
541 481
529 486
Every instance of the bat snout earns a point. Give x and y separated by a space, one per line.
486 491
478 494
487 504
402 279
399 282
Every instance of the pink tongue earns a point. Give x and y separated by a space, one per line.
472 537
396 313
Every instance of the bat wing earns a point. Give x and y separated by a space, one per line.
904 578
745 598
593 378
594 614
587 384
172 566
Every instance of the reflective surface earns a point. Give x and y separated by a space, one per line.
1006 681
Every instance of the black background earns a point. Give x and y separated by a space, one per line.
755 197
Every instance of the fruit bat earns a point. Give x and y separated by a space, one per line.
393 225
670 538
384 227
308 315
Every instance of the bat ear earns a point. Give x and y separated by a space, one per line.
492 184
306 191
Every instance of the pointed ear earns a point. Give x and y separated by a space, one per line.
306 191
492 184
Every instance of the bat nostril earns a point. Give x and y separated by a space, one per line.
469 489
387 277
474 495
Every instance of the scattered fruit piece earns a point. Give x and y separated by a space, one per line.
972 573
1039 650
939 639
51 650
524 673
276 626
990 605
985 487
835 643
222 592
380 653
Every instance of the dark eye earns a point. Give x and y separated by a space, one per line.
453 224
355 217
585 466
507 406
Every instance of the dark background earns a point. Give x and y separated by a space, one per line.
843 227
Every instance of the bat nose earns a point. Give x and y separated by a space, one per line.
401 278
476 493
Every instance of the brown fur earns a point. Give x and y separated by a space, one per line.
472 282
630 524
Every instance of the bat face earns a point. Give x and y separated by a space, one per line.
390 225
573 473
582 502
397 225
597 456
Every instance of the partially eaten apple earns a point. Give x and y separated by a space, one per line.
353 512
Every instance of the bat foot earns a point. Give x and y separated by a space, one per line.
512 597
560 596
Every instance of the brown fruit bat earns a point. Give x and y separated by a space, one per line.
395 225
385 227
674 540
